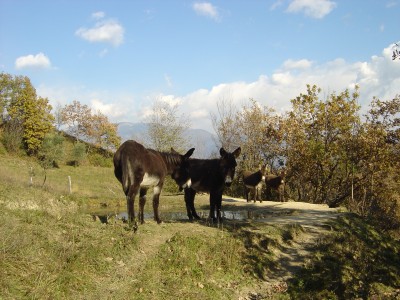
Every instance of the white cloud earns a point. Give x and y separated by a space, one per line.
297 64
379 76
110 109
312 8
98 15
276 4
206 9
108 31
38 61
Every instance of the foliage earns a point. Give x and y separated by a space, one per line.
318 139
78 153
102 133
166 127
20 104
100 160
12 136
86 126
225 124
51 152
331 154
77 117
357 261
260 136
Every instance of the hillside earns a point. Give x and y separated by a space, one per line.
53 248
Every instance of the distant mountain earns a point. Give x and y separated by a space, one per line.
202 140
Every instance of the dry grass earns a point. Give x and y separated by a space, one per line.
50 248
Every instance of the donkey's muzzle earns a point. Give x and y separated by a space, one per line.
228 181
187 184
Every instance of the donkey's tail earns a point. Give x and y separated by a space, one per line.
118 167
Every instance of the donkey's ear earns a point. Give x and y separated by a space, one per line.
189 153
173 151
222 152
236 153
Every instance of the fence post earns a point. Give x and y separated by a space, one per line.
70 185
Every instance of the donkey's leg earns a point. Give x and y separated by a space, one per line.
142 202
246 189
189 201
213 205
130 202
218 200
156 201
282 193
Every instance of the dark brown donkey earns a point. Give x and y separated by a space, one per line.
277 183
210 176
138 169
253 182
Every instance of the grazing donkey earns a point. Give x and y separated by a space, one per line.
276 182
253 182
138 169
210 176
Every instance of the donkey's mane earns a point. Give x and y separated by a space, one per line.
171 158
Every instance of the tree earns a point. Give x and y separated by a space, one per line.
77 117
103 133
318 144
225 124
50 152
378 164
78 153
32 113
259 135
396 52
166 127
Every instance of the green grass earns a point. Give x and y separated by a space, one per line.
51 248
357 261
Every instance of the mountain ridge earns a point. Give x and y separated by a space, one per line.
203 140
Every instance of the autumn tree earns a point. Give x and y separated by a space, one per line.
225 124
103 133
166 127
77 117
377 164
318 140
24 108
260 136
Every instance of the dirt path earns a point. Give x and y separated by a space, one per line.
312 217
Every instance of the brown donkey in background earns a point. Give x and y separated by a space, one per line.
138 169
277 183
253 182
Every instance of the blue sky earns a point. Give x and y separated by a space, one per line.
120 56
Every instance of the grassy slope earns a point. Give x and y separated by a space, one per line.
49 249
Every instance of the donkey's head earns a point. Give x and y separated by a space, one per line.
263 170
181 173
228 164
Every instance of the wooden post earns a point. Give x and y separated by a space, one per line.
31 174
70 185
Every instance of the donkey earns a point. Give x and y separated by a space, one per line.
277 183
253 182
210 176
138 169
